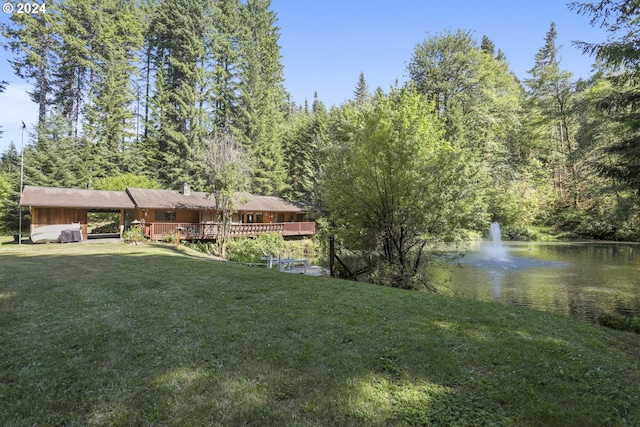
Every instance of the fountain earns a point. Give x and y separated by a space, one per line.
496 250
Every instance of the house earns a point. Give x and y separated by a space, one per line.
163 212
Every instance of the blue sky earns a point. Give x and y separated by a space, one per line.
325 44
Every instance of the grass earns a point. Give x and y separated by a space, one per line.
113 334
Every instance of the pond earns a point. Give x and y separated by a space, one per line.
578 279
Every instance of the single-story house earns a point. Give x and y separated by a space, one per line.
162 212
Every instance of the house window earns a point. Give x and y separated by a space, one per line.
165 215
259 217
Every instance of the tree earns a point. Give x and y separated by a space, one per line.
122 182
394 184
620 56
110 115
303 142
32 38
179 123
56 158
551 92
226 175
10 189
361 93
480 101
262 97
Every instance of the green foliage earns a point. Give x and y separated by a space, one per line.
394 183
121 182
134 235
252 250
619 322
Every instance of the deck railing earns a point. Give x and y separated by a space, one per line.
196 231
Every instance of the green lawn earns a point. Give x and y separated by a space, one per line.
113 334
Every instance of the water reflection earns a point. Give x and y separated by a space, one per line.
575 279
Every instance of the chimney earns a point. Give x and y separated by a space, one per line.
186 189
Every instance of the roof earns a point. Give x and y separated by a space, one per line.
145 198
251 202
74 198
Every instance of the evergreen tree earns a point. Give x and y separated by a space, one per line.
620 56
303 142
110 114
182 32
550 92
361 94
10 189
55 158
226 66
32 38
73 75
263 106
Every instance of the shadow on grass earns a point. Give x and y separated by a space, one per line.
146 336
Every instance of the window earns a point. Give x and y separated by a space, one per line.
165 215
259 217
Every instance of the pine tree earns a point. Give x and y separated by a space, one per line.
110 114
550 92
10 189
182 31
620 57
55 157
225 75
263 106
32 38
361 93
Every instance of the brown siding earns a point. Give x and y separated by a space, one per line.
53 216
187 216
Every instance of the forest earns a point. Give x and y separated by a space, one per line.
144 93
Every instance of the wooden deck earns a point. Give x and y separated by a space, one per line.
191 231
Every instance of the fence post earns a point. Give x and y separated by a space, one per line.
332 255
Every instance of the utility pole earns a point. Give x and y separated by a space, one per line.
24 127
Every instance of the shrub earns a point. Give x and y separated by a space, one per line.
617 321
210 248
134 235
171 237
253 249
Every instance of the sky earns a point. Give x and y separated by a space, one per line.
325 44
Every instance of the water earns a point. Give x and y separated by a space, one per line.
578 279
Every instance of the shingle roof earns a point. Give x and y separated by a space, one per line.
251 202
145 198
74 198
170 199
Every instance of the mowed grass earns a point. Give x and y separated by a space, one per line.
153 335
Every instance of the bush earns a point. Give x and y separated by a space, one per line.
134 235
171 237
619 322
253 249
210 248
